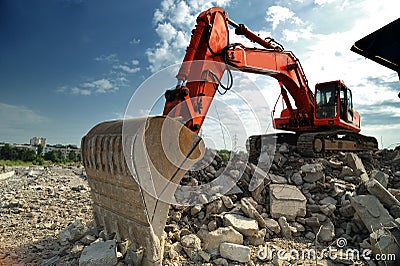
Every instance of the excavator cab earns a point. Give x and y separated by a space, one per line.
334 106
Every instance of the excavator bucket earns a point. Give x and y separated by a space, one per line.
134 167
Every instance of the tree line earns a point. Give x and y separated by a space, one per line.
8 152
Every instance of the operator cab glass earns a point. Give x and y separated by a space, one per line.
346 104
325 100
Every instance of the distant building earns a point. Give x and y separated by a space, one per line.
38 140
64 150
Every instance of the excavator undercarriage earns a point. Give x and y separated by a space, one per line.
312 144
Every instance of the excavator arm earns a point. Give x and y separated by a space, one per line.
209 55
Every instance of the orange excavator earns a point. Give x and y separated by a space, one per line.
322 122
134 166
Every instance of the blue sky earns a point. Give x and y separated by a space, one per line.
67 65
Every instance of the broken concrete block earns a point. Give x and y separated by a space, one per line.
358 167
273 225
346 211
285 227
328 200
279 159
313 172
204 255
244 225
171 250
371 212
74 231
346 171
385 241
287 201
384 196
327 232
191 245
251 212
381 177
212 240
327 209
395 192
235 252
220 261
227 202
297 179
99 253
277 179
257 239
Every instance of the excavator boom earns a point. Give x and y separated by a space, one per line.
209 55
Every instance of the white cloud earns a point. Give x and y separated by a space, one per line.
166 31
100 85
278 14
78 91
127 69
130 68
323 2
111 58
295 35
134 41
174 21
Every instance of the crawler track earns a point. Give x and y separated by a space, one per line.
312 143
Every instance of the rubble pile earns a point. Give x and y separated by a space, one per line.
341 202
344 200
37 204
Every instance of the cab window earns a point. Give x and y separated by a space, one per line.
326 101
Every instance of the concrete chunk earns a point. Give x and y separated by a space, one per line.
381 177
358 167
287 201
384 196
235 252
212 240
99 253
327 232
385 242
251 212
273 225
371 212
313 172
244 225
73 232
191 245
285 227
